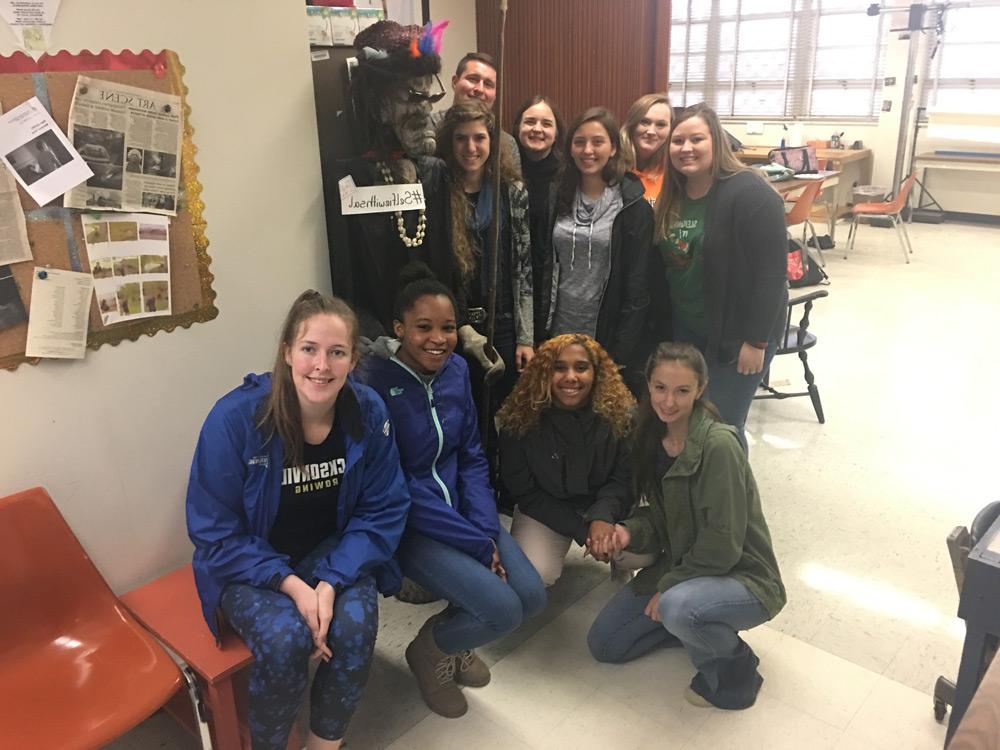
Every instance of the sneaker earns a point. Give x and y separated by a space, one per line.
435 673
696 699
471 671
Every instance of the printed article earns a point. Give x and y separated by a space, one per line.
14 246
38 154
131 138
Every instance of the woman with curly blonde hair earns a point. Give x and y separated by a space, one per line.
564 456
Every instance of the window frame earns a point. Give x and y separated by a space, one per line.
797 91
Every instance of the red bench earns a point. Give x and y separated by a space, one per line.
170 609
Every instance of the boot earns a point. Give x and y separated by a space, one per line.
471 671
435 673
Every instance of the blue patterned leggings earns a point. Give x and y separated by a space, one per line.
281 643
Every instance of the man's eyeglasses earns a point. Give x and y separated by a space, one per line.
416 97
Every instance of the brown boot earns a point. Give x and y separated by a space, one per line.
435 673
471 671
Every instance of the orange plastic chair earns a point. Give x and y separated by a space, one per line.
801 211
893 209
76 670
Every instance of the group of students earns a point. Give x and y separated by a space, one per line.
317 486
323 483
703 259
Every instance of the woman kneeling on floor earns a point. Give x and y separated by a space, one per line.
295 505
454 545
564 457
714 571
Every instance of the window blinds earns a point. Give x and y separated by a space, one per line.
777 58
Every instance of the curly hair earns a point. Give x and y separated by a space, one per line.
464 246
610 398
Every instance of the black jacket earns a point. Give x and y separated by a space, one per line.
538 179
567 472
745 250
366 252
621 318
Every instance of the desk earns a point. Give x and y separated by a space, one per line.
950 162
789 189
854 166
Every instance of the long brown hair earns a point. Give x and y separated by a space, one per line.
635 113
724 165
280 412
613 170
464 246
610 398
649 428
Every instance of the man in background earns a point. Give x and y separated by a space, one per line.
475 80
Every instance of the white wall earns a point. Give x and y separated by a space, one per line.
459 37
111 436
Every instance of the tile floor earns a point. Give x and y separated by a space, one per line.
859 509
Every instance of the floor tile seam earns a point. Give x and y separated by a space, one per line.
567 714
844 658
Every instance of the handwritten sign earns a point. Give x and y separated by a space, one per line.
379 198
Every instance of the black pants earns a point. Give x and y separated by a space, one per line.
505 343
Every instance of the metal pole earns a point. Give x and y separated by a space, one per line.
915 25
494 236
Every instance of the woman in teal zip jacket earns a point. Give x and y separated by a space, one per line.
454 545
295 505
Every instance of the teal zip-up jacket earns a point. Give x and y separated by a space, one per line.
437 432
707 519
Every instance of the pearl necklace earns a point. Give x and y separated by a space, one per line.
418 238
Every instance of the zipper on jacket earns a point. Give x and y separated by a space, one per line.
429 392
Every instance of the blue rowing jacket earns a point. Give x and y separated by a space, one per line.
235 488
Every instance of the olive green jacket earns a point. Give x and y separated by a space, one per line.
707 519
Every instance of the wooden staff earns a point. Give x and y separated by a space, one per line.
494 234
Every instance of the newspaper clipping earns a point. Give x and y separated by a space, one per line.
14 245
131 138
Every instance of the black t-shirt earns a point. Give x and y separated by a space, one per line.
309 497
664 461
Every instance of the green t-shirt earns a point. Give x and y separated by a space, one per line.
682 257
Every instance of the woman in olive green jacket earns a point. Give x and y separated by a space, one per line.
714 571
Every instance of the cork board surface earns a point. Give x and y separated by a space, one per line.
56 234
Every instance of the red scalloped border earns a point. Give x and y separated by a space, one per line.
85 61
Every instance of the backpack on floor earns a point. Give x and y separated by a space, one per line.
801 270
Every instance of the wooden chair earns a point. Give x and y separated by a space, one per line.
891 209
798 340
800 214
76 670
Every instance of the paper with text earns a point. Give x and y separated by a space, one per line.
58 313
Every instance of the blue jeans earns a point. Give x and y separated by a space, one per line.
483 607
730 392
703 615
281 642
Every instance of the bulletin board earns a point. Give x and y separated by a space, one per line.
55 234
